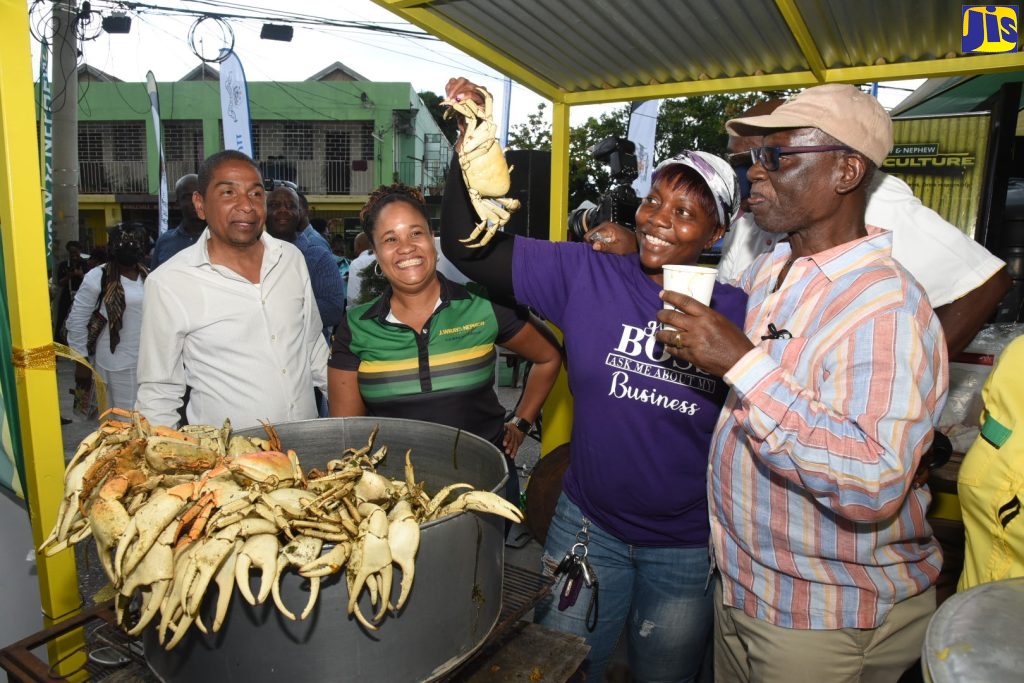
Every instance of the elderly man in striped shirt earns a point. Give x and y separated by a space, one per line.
826 563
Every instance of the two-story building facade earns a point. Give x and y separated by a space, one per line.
335 135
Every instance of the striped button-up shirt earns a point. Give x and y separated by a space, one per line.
813 518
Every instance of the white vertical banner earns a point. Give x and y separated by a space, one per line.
234 103
154 106
643 120
503 134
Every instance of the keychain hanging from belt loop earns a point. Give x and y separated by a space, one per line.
578 572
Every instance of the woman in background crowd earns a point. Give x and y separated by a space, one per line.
113 291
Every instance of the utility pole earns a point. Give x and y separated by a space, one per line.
65 124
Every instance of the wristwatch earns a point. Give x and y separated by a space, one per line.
520 424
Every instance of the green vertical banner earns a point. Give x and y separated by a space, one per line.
45 119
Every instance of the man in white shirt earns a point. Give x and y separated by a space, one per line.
232 317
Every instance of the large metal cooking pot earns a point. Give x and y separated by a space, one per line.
454 603
975 635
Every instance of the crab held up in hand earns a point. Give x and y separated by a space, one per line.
483 166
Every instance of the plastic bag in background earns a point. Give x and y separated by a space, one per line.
960 418
992 339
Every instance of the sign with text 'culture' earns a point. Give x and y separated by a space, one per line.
943 159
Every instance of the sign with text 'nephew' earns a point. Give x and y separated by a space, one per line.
943 159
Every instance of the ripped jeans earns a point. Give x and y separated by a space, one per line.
657 594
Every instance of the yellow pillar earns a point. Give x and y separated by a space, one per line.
21 216
558 407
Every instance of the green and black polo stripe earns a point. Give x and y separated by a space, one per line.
443 373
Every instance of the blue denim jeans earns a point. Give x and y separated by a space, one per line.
658 595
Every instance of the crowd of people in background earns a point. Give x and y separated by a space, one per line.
744 475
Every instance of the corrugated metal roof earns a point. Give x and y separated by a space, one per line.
589 51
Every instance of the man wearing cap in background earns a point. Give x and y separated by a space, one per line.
963 280
826 562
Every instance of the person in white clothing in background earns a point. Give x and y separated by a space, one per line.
115 290
963 280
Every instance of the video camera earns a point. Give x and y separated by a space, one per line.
620 203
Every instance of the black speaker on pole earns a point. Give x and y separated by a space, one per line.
531 185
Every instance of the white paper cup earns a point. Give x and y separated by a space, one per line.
696 282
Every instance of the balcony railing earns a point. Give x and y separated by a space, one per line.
312 176
320 177
109 177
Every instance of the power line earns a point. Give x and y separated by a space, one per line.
226 10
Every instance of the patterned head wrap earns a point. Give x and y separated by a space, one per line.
720 179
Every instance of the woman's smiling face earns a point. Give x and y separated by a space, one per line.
676 221
404 246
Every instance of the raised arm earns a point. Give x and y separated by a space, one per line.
491 266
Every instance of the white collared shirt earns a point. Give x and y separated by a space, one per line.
248 351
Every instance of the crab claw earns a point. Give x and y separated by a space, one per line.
373 488
329 563
108 520
259 551
435 502
149 608
69 513
297 553
370 566
404 542
147 524
179 628
205 558
170 607
482 501
152 576
225 580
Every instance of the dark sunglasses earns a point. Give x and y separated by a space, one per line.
769 157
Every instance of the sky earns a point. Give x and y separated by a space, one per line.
160 42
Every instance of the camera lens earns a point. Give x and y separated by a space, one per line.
579 219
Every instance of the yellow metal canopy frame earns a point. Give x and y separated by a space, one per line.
596 51
569 51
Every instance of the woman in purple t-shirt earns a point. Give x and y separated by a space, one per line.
635 493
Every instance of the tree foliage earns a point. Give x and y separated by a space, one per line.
588 178
683 123
534 134
699 122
